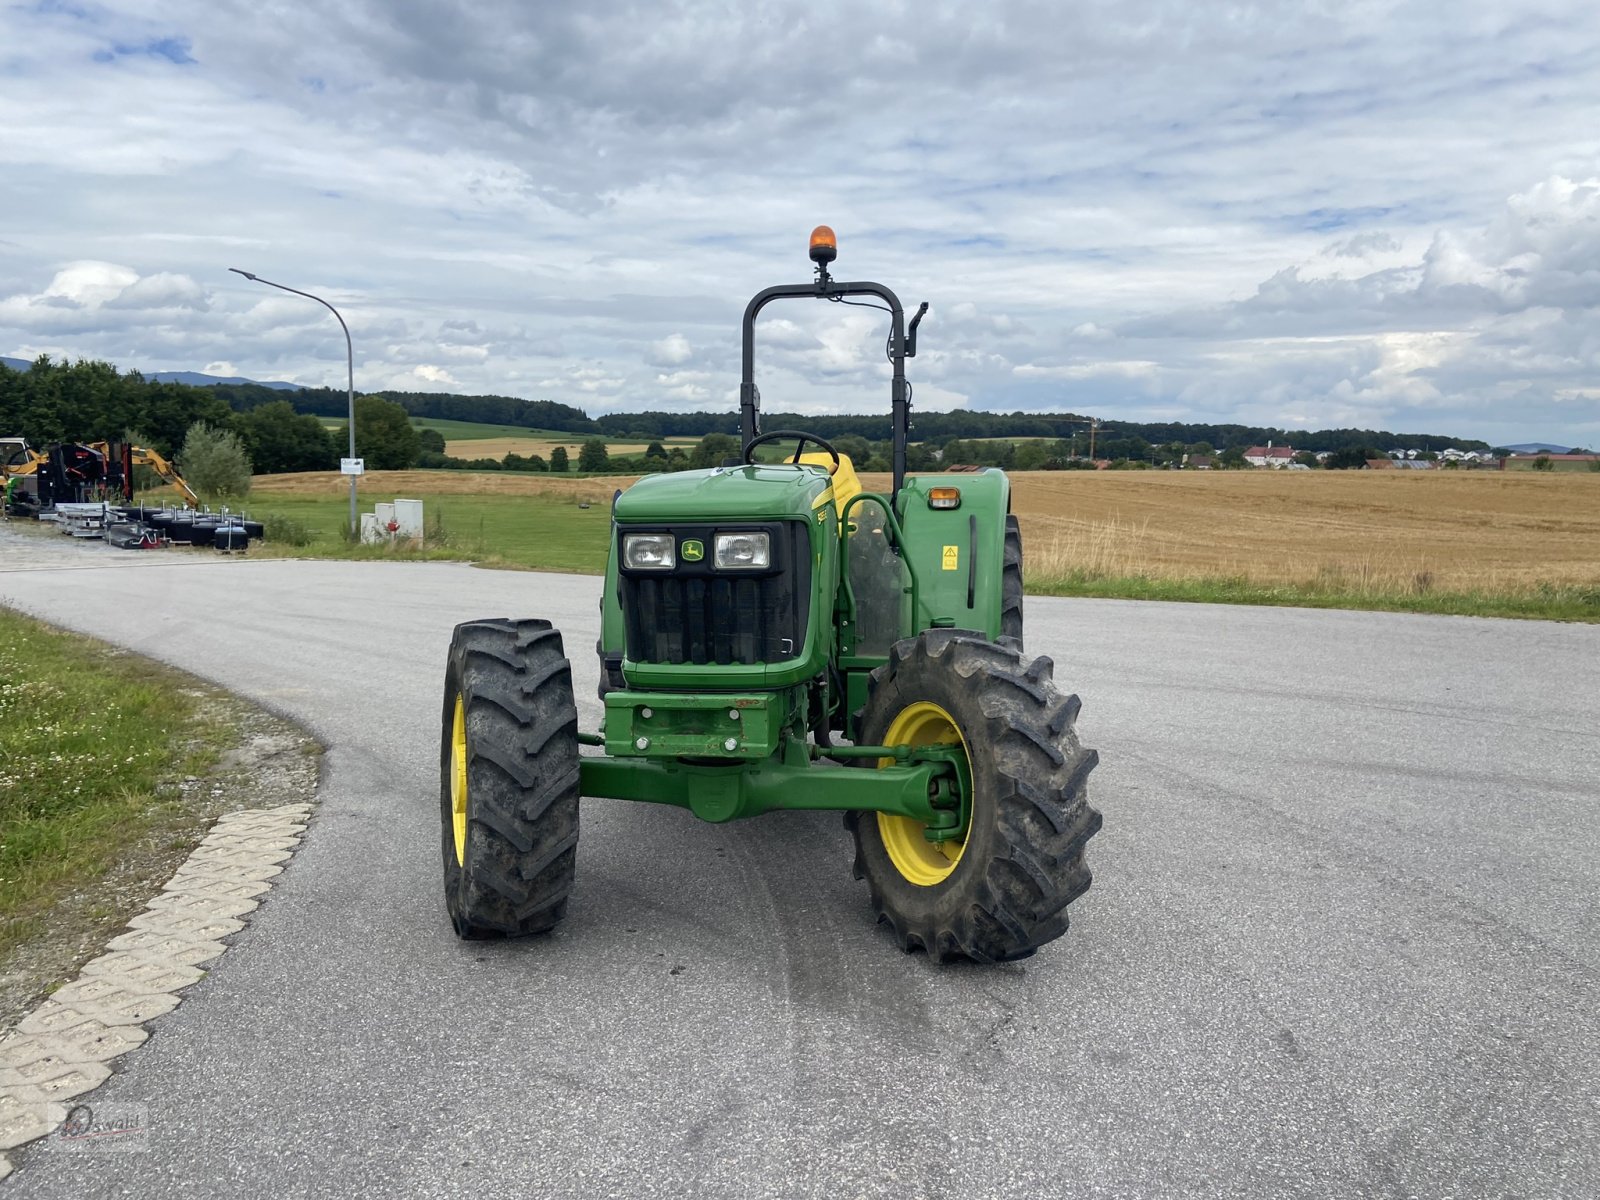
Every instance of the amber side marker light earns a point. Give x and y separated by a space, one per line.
944 497
824 246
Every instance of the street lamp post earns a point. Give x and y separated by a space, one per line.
350 366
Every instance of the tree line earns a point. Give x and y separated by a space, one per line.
937 428
90 401
280 431
438 406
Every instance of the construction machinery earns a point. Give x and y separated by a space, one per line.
75 472
131 456
18 462
65 474
776 637
18 458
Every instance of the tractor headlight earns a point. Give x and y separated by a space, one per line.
740 550
649 551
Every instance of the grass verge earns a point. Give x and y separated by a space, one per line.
111 769
86 744
546 533
1543 602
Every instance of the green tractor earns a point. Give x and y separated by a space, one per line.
776 637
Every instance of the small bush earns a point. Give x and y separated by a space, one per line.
214 463
286 531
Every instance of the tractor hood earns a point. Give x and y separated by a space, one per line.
757 492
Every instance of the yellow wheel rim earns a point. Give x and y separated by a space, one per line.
922 862
458 780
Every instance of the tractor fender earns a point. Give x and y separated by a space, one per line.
958 553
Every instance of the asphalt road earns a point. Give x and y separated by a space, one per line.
1341 941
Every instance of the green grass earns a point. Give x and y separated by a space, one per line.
469 431
89 746
473 431
551 534
1545 602
478 431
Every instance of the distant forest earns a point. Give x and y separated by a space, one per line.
93 400
1119 438
442 406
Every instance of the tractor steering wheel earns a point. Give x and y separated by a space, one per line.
802 439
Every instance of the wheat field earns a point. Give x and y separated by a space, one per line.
470 448
1358 532
1347 530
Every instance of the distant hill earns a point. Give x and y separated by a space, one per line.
192 378
1538 448
195 379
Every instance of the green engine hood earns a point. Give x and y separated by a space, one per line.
758 492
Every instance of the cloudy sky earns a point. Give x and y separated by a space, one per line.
1301 214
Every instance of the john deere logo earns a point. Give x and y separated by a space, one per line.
693 551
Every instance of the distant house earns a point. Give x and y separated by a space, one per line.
1381 464
1269 456
1199 462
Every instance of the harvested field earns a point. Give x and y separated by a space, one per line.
1446 530
1459 541
502 446
386 485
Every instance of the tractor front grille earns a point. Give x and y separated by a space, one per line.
695 614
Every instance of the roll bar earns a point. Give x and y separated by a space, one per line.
901 347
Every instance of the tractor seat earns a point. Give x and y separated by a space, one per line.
845 483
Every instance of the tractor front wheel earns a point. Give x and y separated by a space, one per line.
508 788
999 890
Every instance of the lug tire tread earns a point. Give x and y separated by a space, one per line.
1011 583
522 778
1024 861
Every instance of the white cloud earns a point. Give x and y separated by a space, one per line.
1274 211
89 284
671 350
162 291
1363 245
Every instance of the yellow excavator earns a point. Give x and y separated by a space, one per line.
18 458
17 461
140 456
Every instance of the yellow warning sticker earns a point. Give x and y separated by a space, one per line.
952 558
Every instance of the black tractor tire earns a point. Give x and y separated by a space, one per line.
1011 584
519 725
1023 859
